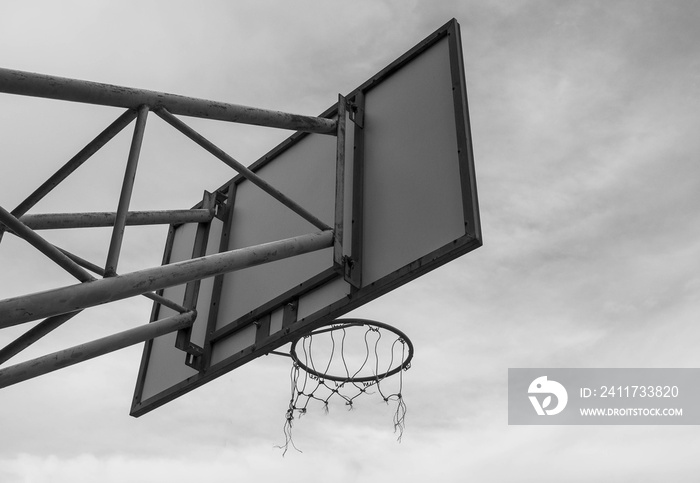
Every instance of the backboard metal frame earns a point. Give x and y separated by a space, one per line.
348 243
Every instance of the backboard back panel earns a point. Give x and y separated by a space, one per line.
410 206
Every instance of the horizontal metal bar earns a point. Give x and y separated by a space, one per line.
55 221
83 352
39 85
44 247
242 169
48 325
25 308
34 334
101 272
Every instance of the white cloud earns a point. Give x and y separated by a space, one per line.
584 125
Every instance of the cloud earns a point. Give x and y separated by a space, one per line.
584 126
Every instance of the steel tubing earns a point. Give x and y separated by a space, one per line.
115 245
52 87
25 308
83 352
33 335
54 221
101 272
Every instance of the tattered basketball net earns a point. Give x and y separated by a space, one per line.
345 360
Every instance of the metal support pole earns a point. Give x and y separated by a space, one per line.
83 352
25 308
243 170
44 247
149 295
339 187
52 221
115 244
353 269
38 85
33 335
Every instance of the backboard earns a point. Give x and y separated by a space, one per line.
406 202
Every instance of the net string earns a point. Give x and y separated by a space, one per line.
306 387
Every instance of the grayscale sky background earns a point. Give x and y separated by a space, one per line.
583 114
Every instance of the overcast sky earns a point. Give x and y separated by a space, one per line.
584 120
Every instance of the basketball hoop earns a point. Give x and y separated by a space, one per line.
344 360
